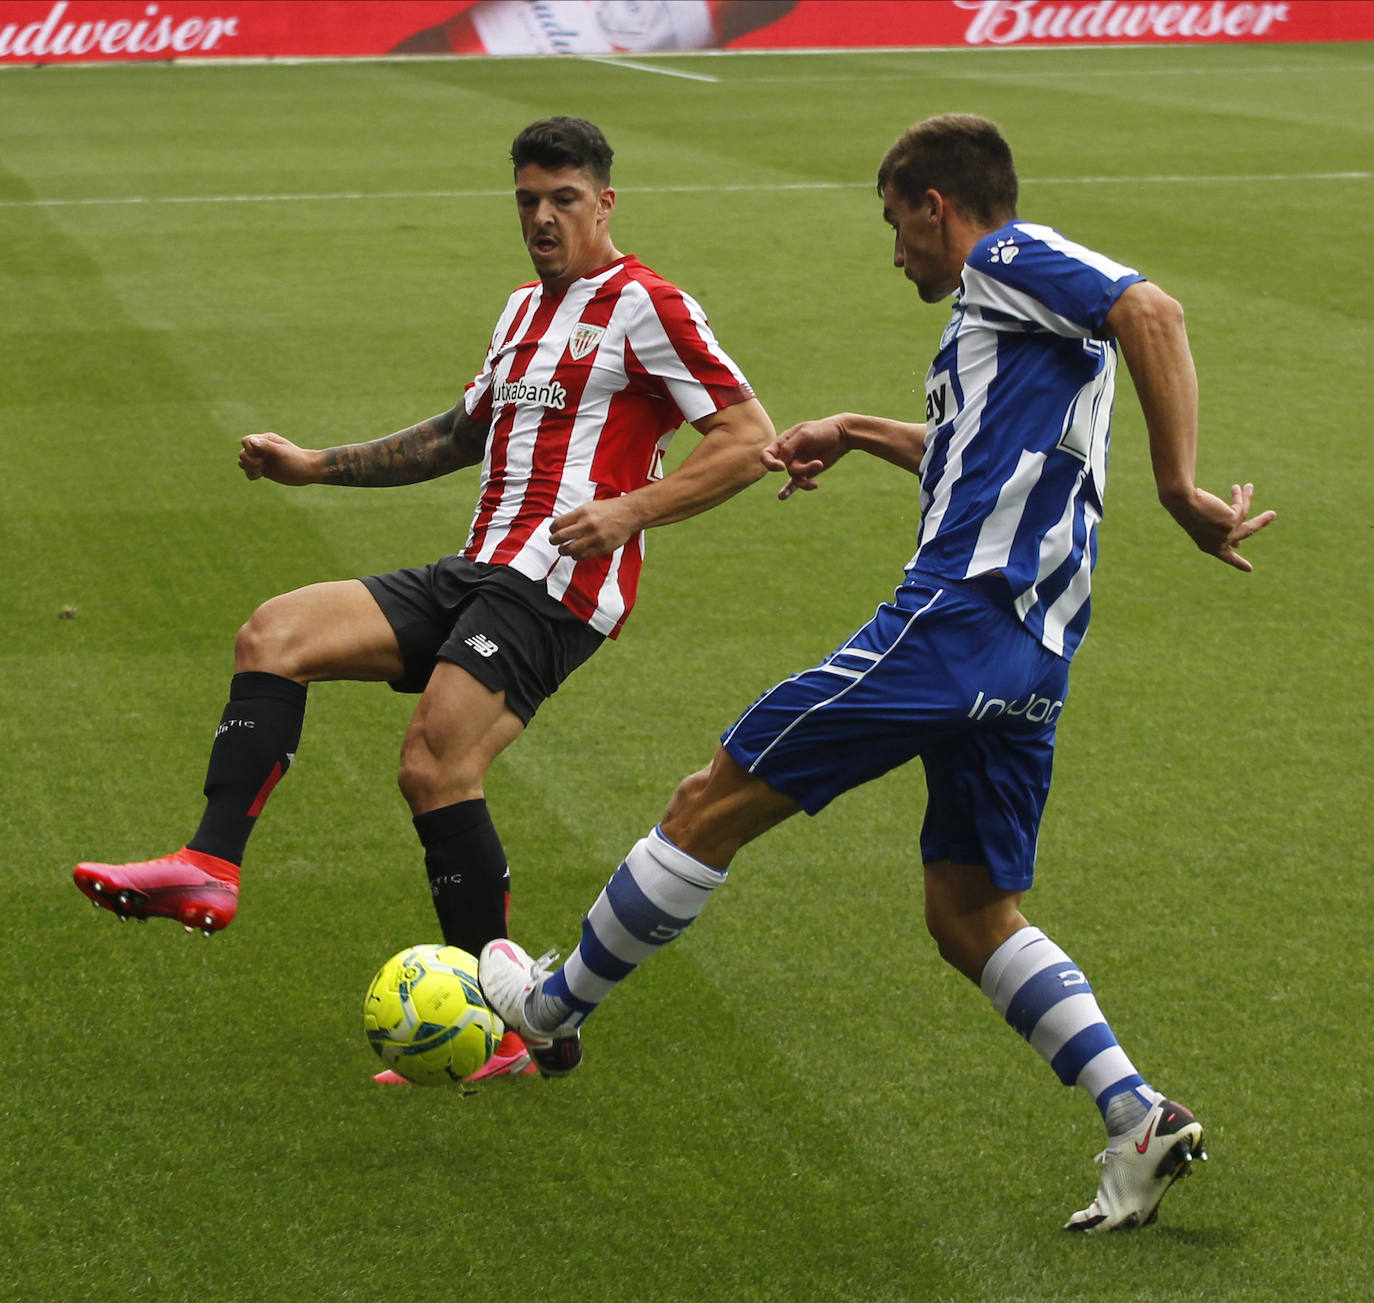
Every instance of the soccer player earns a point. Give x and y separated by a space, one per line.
967 666
591 369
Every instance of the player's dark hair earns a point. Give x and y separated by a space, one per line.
552 143
964 157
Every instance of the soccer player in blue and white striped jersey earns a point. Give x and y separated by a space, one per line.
967 666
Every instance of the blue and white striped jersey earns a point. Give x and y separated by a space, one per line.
1018 403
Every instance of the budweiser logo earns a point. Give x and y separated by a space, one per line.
1007 22
57 36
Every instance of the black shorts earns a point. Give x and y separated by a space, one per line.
504 629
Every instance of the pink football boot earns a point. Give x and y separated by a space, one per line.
198 890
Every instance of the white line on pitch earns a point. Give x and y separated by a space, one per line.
1243 177
344 196
648 67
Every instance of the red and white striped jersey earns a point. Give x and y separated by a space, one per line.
582 391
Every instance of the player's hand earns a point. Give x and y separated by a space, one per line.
269 456
594 529
1218 529
803 451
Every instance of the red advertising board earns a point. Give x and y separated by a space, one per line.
1062 22
66 31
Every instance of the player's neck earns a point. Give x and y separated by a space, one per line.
605 257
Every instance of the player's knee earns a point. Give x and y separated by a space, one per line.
961 950
941 931
954 933
428 781
968 926
686 801
417 776
264 642
688 821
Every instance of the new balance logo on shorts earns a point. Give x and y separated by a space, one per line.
482 645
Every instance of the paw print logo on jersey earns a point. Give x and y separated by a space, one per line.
1003 251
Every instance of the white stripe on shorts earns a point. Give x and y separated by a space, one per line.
858 677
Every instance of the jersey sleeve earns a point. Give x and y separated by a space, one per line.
1032 274
671 342
477 395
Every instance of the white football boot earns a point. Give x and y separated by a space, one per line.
1139 1167
507 975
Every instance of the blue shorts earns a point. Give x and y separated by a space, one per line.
946 672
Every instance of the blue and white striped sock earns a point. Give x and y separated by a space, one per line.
650 900
1045 998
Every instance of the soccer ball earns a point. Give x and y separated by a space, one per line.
425 1016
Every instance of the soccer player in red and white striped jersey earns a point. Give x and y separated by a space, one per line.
582 389
591 369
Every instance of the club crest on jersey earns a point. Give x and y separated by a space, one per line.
584 339
952 326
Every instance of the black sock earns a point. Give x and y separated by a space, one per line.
468 877
254 746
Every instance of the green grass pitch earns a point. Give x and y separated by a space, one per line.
799 1102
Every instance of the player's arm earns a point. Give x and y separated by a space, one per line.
728 459
425 451
804 450
1149 326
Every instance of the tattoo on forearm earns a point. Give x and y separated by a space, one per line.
423 452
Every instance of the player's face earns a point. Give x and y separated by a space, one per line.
921 245
563 217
